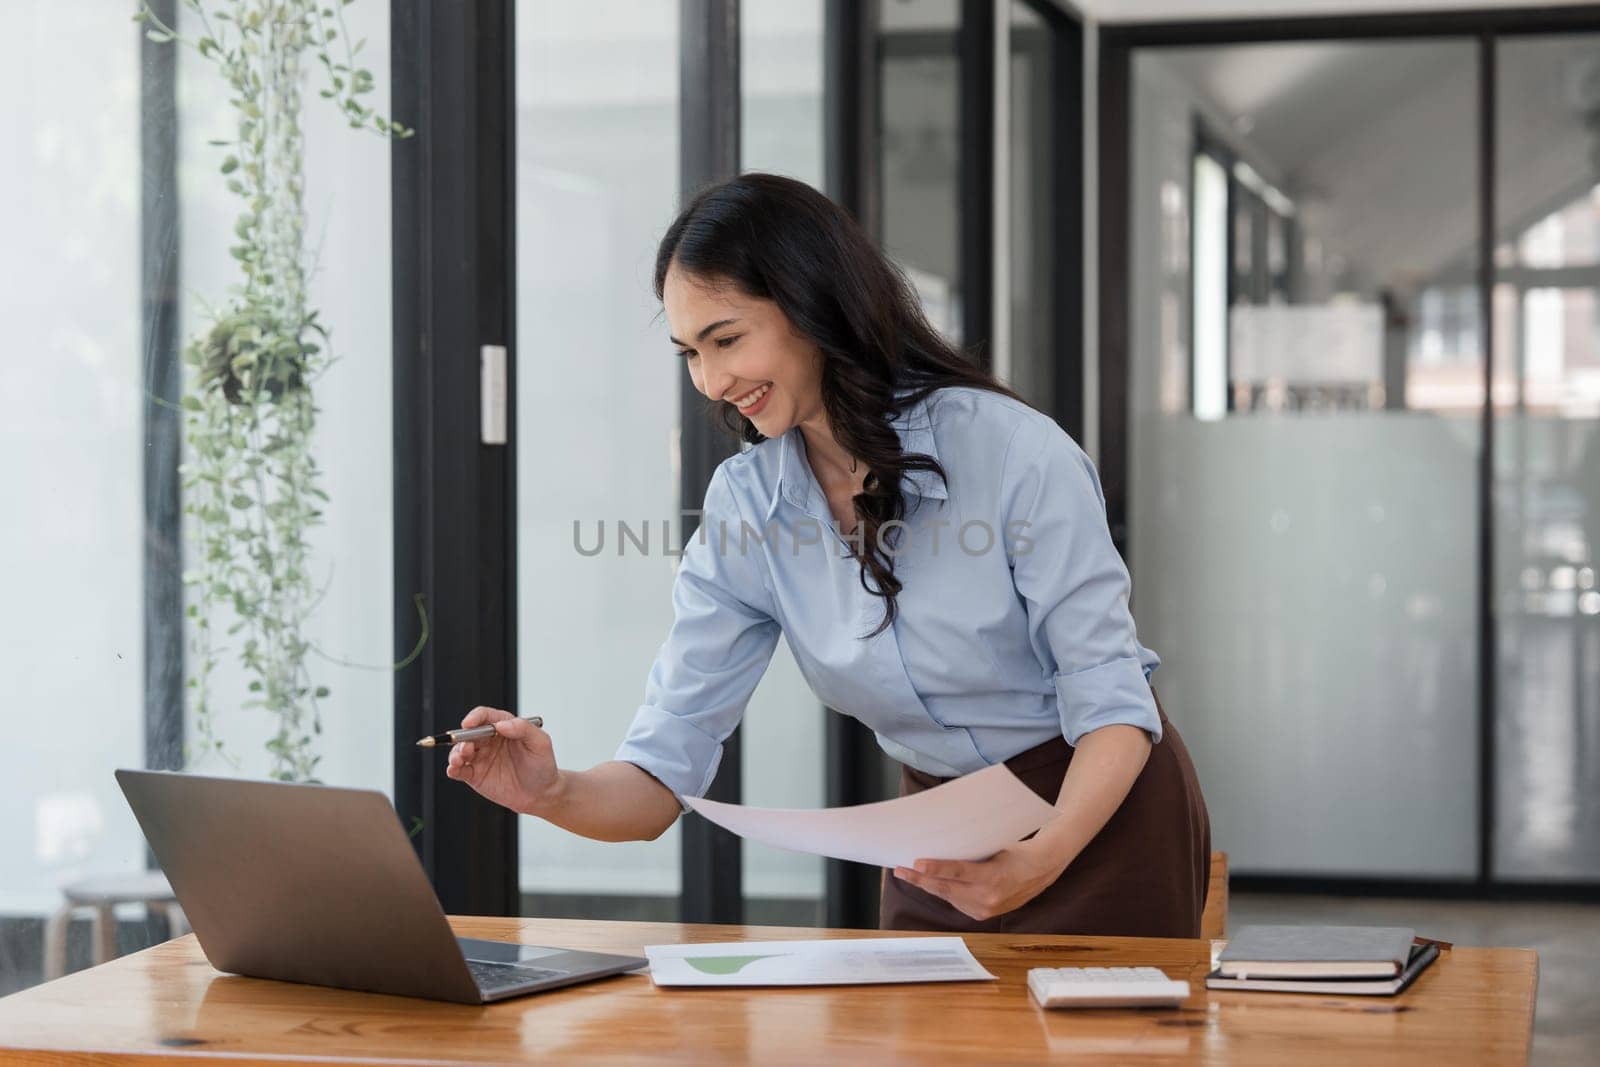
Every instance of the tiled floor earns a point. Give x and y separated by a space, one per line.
1566 936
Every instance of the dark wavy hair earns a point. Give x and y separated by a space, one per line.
781 240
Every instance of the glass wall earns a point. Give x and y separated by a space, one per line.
71 465
597 136
597 408
920 175
1305 443
782 116
1547 460
919 115
350 628
780 107
84 187
1034 258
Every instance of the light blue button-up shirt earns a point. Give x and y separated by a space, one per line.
1013 624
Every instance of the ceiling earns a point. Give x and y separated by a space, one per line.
1379 138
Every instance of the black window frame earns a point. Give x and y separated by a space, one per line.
454 497
711 858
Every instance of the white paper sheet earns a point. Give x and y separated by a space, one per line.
968 818
849 961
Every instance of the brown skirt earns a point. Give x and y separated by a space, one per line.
1143 875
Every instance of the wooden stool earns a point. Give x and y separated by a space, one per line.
102 895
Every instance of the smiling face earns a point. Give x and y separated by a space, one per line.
743 349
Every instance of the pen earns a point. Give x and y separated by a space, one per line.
454 737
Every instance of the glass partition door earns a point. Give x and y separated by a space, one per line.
1547 460
1305 440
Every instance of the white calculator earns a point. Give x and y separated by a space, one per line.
1105 987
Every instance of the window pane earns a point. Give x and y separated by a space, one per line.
781 110
350 548
597 411
780 106
87 186
920 145
73 441
1547 465
1209 329
1031 230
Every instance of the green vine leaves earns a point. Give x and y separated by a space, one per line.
251 485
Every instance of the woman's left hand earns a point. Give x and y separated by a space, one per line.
983 889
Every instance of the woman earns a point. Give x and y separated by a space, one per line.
936 554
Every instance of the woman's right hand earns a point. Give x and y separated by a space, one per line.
516 768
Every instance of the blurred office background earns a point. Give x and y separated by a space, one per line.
1317 285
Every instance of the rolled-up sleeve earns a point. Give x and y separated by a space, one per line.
722 638
1074 585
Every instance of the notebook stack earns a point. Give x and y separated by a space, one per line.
1353 960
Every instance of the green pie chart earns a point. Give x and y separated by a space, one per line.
726 964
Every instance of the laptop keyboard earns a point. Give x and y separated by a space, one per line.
493 977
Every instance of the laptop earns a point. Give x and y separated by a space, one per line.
316 884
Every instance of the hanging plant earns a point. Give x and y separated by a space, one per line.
252 485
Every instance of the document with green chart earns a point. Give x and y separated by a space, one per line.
846 961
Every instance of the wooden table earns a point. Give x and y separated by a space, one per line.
1472 1005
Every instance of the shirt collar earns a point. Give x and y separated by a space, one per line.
914 424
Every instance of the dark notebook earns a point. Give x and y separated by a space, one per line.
1316 952
1421 956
